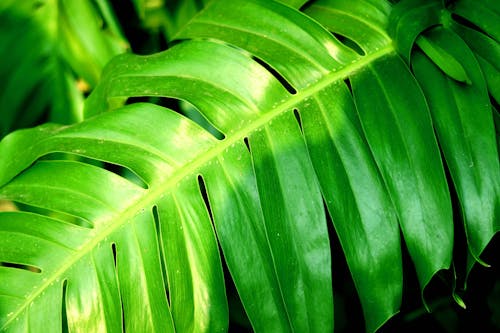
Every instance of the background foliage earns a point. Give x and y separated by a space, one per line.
53 53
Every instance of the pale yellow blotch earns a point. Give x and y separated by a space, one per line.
83 86
7 206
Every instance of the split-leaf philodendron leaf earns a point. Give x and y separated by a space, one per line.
334 113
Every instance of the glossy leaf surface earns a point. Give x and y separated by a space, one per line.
466 132
416 182
314 109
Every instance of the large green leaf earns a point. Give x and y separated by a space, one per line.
362 251
486 51
125 225
305 119
413 172
462 118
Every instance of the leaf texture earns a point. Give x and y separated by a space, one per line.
54 46
462 119
308 119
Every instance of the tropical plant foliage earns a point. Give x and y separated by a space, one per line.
43 46
344 112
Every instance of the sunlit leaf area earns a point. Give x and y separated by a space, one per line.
249 166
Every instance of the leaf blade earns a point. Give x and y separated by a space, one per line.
465 128
354 192
413 173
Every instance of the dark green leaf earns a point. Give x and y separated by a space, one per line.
398 128
409 18
487 53
484 14
442 58
464 125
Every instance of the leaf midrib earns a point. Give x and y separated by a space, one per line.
152 194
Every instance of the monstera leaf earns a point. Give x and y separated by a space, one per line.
333 106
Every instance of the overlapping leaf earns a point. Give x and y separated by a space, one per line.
463 121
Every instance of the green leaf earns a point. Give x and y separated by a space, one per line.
241 231
293 3
188 242
43 45
388 100
464 125
484 14
34 79
87 50
388 280
306 121
127 224
295 225
83 260
409 18
298 287
362 21
441 57
487 51
318 55
354 192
